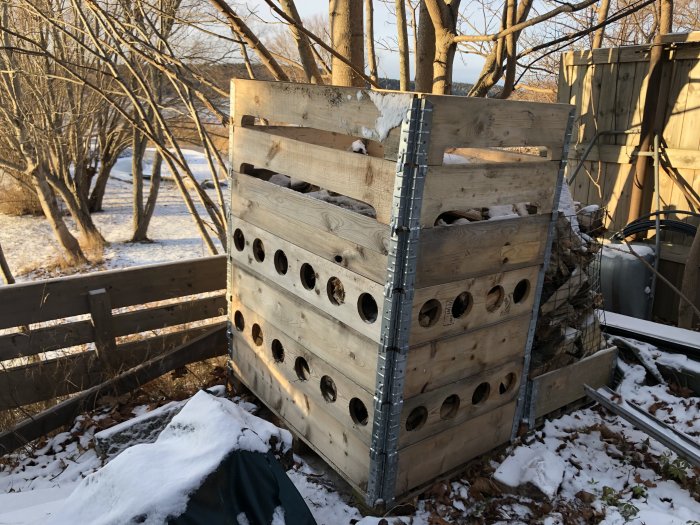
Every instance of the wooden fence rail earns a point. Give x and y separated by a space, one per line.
39 318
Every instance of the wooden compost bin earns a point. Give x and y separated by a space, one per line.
393 347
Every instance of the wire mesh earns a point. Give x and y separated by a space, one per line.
568 327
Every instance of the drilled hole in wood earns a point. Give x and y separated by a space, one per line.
367 308
238 321
281 264
328 390
301 367
417 418
258 250
462 305
481 393
277 351
257 334
338 259
521 291
358 412
507 384
307 276
335 291
494 298
238 239
429 313
449 407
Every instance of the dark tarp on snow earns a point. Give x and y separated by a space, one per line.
251 483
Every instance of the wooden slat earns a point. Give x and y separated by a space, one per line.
367 179
426 460
350 111
336 343
625 154
210 344
341 449
285 371
353 285
503 383
103 327
328 139
65 375
478 315
558 388
50 338
437 363
39 301
477 122
316 226
451 253
461 187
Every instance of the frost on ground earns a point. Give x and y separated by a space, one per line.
586 467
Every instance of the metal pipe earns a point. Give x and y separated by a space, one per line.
657 239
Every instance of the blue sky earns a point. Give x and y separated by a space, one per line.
384 28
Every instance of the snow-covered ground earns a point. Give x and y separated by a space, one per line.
30 247
585 467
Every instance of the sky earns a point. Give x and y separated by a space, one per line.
466 67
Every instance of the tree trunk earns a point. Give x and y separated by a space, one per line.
306 55
369 40
600 33
141 231
402 33
425 52
444 15
98 191
138 150
347 37
71 249
78 208
690 284
7 276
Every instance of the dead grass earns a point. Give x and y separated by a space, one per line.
18 199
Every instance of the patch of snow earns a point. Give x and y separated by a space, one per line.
502 211
628 251
453 158
195 442
242 519
281 180
278 515
392 109
534 464
359 147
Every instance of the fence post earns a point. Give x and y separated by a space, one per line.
101 314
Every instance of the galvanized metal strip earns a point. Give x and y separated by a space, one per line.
525 407
411 169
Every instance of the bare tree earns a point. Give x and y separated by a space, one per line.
347 37
404 68
7 276
369 39
444 15
306 54
425 50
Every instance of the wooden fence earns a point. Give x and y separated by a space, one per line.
65 335
608 88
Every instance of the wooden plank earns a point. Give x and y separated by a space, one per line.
367 179
282 360
52 378
563 86
426 460
336 343
313 225
336 290
463 400
341 449
495 291
446 360
101 315
625 154
327 139
38 301
461 187
558 388
626 99
208 345
65 335
477 122
351 111
452 253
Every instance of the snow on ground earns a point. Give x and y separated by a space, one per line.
584 467
29 244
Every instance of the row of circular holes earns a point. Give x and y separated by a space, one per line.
358 410
366 305
450 406
431 310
